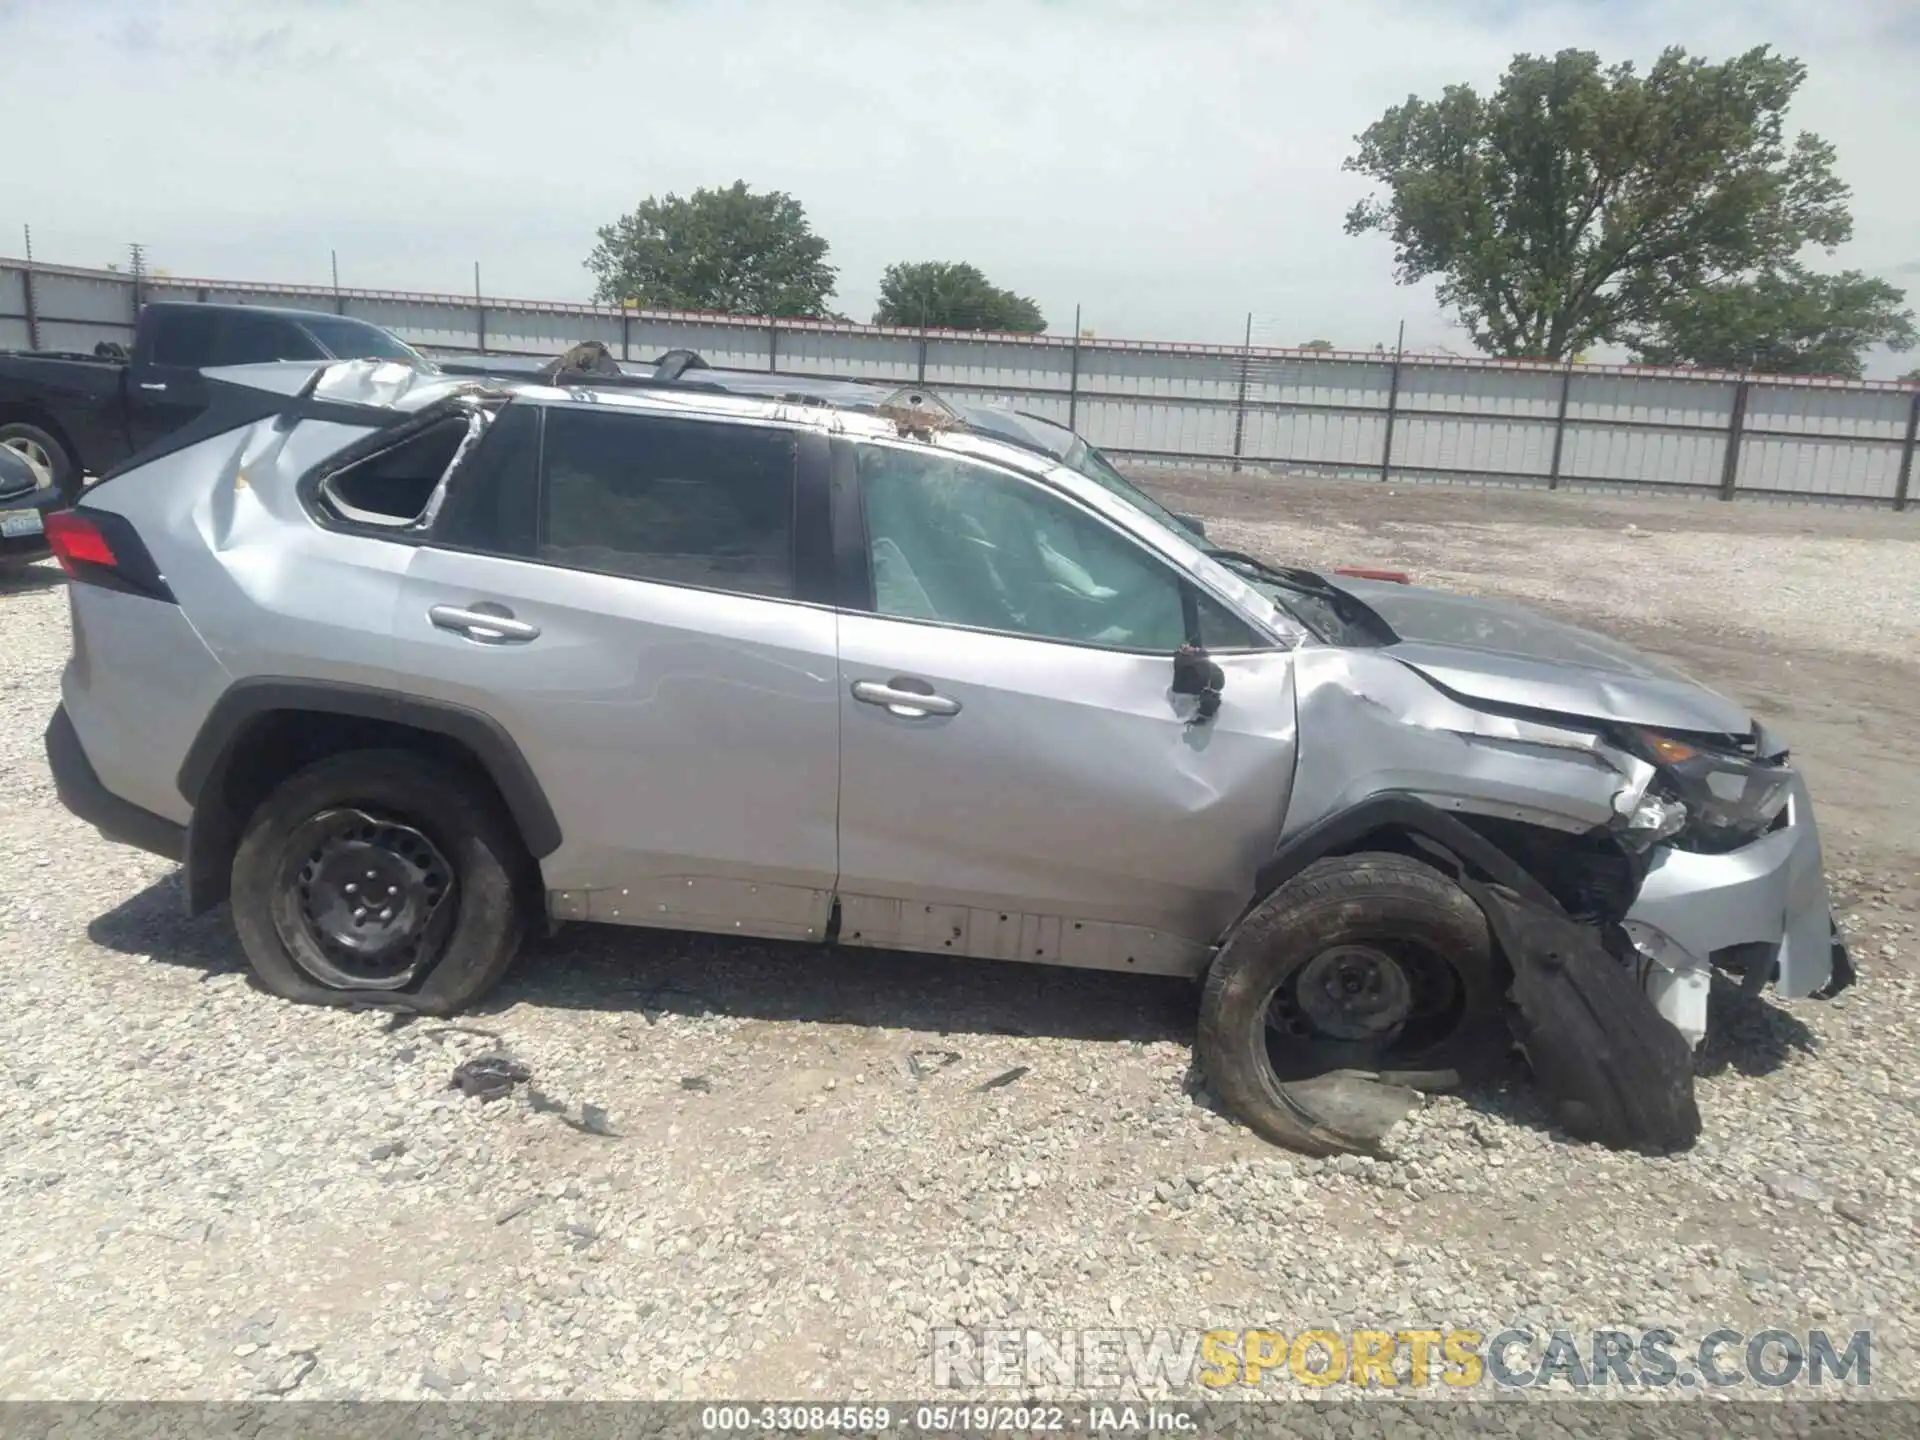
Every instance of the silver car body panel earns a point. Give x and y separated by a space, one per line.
126 644
1069 791
711 768
1771 893
688 740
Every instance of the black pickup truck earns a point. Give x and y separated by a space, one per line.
79 415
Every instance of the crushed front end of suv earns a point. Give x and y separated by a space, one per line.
406 663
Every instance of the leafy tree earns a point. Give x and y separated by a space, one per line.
1575 204
950 296
1317 345
730 250
1786 320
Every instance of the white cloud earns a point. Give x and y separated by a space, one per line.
1169 168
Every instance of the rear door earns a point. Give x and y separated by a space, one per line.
1017 777
165 388
629 594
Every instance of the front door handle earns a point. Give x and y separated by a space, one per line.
153 384
486 622
910 699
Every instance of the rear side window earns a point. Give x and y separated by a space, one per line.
688 502
258 339
491 503
197 338
189 338
391 487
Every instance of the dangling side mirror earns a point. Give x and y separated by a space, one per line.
1194 674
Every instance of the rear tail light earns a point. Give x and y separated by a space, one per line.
101 548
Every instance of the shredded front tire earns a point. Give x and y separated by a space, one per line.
1358 971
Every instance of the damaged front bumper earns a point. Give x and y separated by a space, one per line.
1761 912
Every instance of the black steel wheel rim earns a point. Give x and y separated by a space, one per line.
1361 1005
365 902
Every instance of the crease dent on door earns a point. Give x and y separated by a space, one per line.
1068 813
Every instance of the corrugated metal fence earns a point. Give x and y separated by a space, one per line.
1409 417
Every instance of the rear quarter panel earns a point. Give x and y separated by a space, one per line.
137 686
268 590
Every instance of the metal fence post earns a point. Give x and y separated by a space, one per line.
1073 374
1560 427
626 333
1240 406
773 343
339 300
139 268
1905 481
1393 403
26 282
1730 467
479 309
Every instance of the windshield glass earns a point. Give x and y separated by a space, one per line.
357 340
1096 467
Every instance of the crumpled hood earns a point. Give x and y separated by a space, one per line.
1501 653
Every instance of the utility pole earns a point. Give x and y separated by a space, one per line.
26 281
1393 404
339 305
138 253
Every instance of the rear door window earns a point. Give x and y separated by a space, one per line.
492 500
258 339
687 502
186 338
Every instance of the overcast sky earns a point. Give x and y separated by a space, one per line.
1168 167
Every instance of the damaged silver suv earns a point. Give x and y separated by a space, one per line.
407 661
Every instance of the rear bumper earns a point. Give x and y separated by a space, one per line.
81 791
1772 894
25 517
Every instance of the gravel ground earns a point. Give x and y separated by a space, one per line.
755 1170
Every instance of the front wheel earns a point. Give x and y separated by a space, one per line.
1372 963
380 877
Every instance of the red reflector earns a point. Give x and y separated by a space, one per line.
75 539
1361 572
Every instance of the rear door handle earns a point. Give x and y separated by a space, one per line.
486 622
153 384
907 698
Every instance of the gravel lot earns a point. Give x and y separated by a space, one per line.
758 1170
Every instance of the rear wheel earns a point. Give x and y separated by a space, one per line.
1374 963
45 453
382 877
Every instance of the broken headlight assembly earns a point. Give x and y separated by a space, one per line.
1707 799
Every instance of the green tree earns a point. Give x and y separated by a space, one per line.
1786 320
951 296
1317 345
1575 204
730 250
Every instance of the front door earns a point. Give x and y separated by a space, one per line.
637 632
1017 778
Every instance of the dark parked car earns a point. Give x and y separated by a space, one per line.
75 415
27 493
